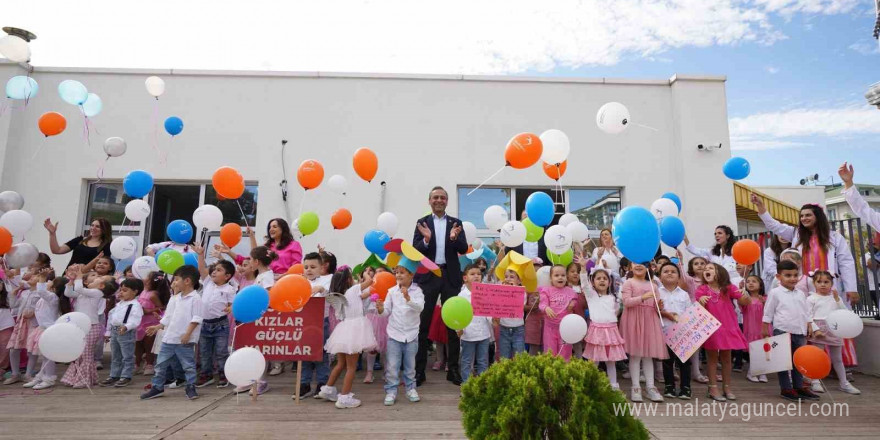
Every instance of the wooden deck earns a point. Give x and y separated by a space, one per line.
114 413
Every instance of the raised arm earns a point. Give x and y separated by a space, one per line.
784 231
53 238
200 255
81 290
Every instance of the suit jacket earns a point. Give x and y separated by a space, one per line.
542 249
453 248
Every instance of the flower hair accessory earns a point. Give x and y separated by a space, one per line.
342 268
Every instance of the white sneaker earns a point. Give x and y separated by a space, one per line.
276 369
32 383
817 387
328 393
390 399
12 379
751 378
347 401
615 386
848 388
413 395
44 384
654 395
763 378
636 395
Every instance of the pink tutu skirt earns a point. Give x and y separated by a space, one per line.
351 336
380 330
18 340
33 340
827 337
604 343
437 331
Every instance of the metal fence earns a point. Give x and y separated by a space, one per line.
859 239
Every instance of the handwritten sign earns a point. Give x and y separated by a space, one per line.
770 355
498 301
693 328
292 336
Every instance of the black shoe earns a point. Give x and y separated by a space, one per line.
420 379
191 393
151 394
204 381
222 383
737 369
124 382
670 392
685 394
790 395
805 393
108 382
453 376
305 391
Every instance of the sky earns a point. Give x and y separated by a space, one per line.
797 69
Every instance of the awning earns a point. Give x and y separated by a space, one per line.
746 210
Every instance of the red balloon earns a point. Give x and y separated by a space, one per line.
290 293
365 163
523 151
812 362
228 183
554 171
5 240
52 123
382 282
310 174
230 234
746 252
341 218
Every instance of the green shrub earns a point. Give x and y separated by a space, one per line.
534 397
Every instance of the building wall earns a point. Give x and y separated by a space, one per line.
427 130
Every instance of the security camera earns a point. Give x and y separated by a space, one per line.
708 147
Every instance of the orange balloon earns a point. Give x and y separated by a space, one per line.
366 164
230 234
296 269
524 150
310 174
290 293
228 183
341 218
382 283
812 362
554 172
746 252
5 240
52 123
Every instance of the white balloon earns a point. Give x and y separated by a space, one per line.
612 118
208 217
495 217
556 146
543 275
513 233
244 366
573 328
122 248
115 146
578 231
10 201
21 255
557 239
664 208
79 319
470 232
155 86
137 210
387 223
63 342
478 244
18 222
142 266
567 218
844 324
338 183
15 49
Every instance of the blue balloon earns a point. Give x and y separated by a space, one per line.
540 208
250 304
73 92
160 253
191 259
179 231
375 242
137 183
21 87
174 125
636 234
674 260
737 168
674 198
671 231
93 105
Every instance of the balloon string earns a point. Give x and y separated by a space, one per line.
645 126
656 303
302 202
85 133
3 107
488 179
101 164
243 217
159 154
42 144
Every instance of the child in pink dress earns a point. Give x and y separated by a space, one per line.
715 295
641 329
153 300
557 301
690 280
603 342
753 314
534 323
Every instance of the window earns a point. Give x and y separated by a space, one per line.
471 207
832 214
230 208
107 200
596 208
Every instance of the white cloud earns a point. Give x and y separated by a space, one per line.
455 36
775 130
739 143
772 70
870 47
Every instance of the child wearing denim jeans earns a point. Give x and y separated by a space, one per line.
312 268
512 331
403 305
122 323
477 336
217 296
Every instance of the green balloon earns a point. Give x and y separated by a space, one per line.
533 231
563 259
170 261
308 223
457 313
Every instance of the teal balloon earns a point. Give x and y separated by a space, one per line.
533 231
636 234
563 259
671 231
308 223
737 168
540 208
93 105
73 92
191 259
674 197
457 313
21 87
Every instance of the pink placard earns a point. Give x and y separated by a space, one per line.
498 301
693 328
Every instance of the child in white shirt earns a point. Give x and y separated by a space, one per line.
477 336
122 323
312 267
403 306
50 306
675 302
217 296
603 342
820 304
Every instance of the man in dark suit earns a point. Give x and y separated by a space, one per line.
440 238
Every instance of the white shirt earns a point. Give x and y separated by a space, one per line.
480 327
323 281
6 319
603 309
404 316
88 301
46 309
354 307
821 305
181 311
215 298
787 310
530 249
675 301
117 315
514 322
440 238
265 279
611 259
871 272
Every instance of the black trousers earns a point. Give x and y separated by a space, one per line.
684 370
434 288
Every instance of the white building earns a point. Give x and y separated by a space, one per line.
427 130
837 207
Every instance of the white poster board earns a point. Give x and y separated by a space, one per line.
770 355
